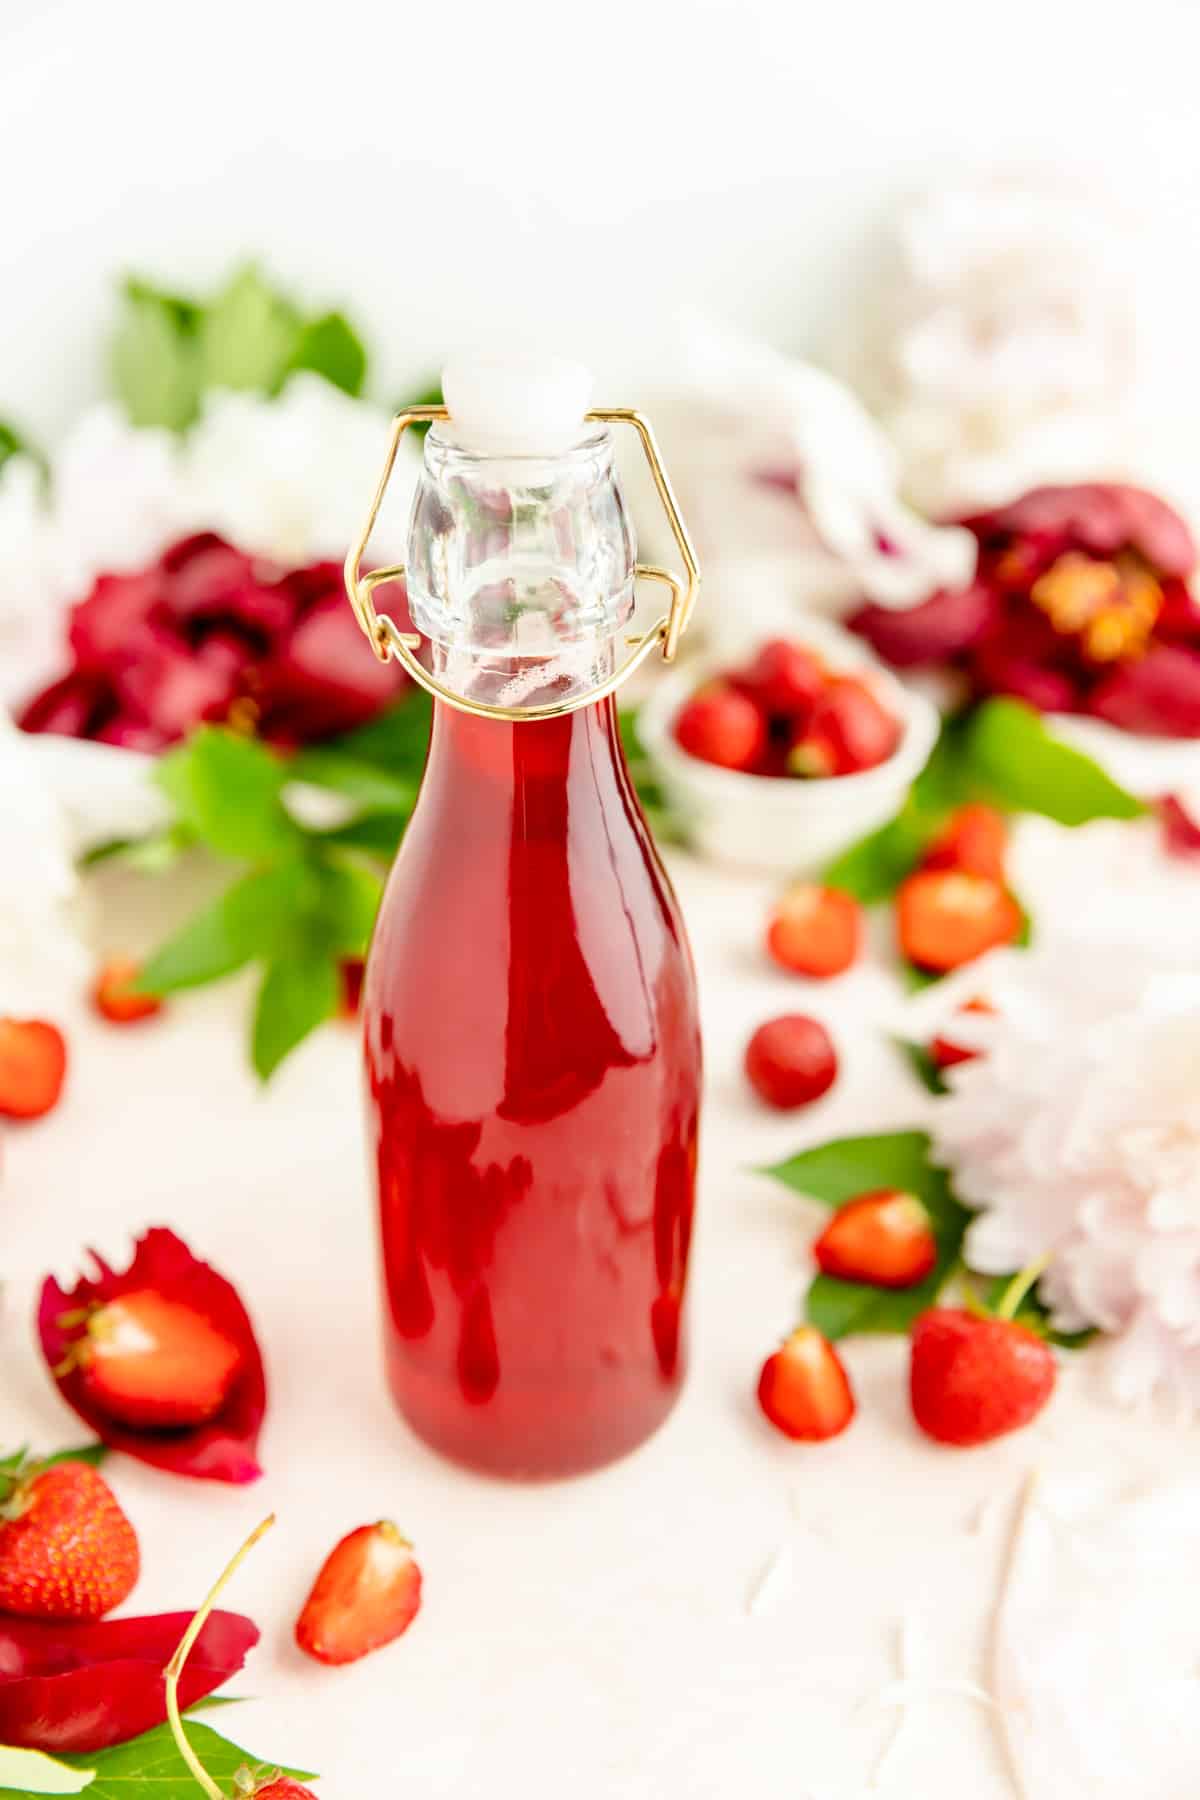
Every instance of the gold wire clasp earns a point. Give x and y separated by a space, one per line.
387 640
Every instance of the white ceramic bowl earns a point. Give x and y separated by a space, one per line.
787 827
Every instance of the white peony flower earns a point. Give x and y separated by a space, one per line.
1077 1133
38 885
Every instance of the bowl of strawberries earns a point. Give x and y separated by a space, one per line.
781 762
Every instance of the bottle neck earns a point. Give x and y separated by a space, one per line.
501 679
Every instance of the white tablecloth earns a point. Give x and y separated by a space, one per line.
600 1637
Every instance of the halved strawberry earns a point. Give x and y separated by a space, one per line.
815 930
367 1593
947 917
67 1551
847 731
973 1378
721 726
150 1362
883 1237
945 1052
33 1066
804 1389
975 839
113 993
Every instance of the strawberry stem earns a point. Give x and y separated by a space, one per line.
1022 1282
174 1668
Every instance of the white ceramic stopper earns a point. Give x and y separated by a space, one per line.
515 405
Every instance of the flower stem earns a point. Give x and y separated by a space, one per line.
174 1668
1020 1285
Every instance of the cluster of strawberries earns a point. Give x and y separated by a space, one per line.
955 905
787 714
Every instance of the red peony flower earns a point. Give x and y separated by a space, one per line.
209 633
223 1447
1080 603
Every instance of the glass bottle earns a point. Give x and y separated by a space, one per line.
532 1047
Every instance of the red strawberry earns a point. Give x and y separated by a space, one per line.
721 726
114 997
974 1378
367 1593
33 1064
846 732
815 930
946 917
975 839
945 1052
153 1363
883 1237
791 1061
67 1551
785 679
804 1389
282 1788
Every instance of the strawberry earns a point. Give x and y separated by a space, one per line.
367 1593
804 1389
785 679
815 930
33 1064
945 1052
154 1363
946 917
67 1551
973 1378
883 1237
791 1061
282 1788
975 839
113 994
847 731
721 726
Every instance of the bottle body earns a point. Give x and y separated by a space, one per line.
533 1071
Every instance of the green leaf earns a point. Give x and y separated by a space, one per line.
93 1454
154 361
1026 768
150 1767
375 833
922 1065
249 335
1032 1313
372 787
837 1172
430 395
245 923
227 789
297 995
873 868
33 1772
343 913
396 740
14 443
331 347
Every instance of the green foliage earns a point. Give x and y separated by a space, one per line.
839 1171
168 349
922 1065
1032 1313
150 1767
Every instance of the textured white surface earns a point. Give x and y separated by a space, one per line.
598 1637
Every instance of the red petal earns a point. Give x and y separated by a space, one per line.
1158 696
1181 833
1100 516
222 1449
324 679
116 610
71 707
79 1688
941 627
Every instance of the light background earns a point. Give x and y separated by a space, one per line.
449 170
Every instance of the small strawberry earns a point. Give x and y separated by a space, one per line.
785 679
67 1551
815 930
791 1061
975 839
367 1593
883 1237
114 996
847 731
947 917
721 726
945 1052
154 1363
973 1378
33 1065
804 1389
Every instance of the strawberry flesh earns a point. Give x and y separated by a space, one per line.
367 1593
804 1389
975 1378
155 1363
815 930
947 917
975 839
33 1066
883 1237
67 1551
